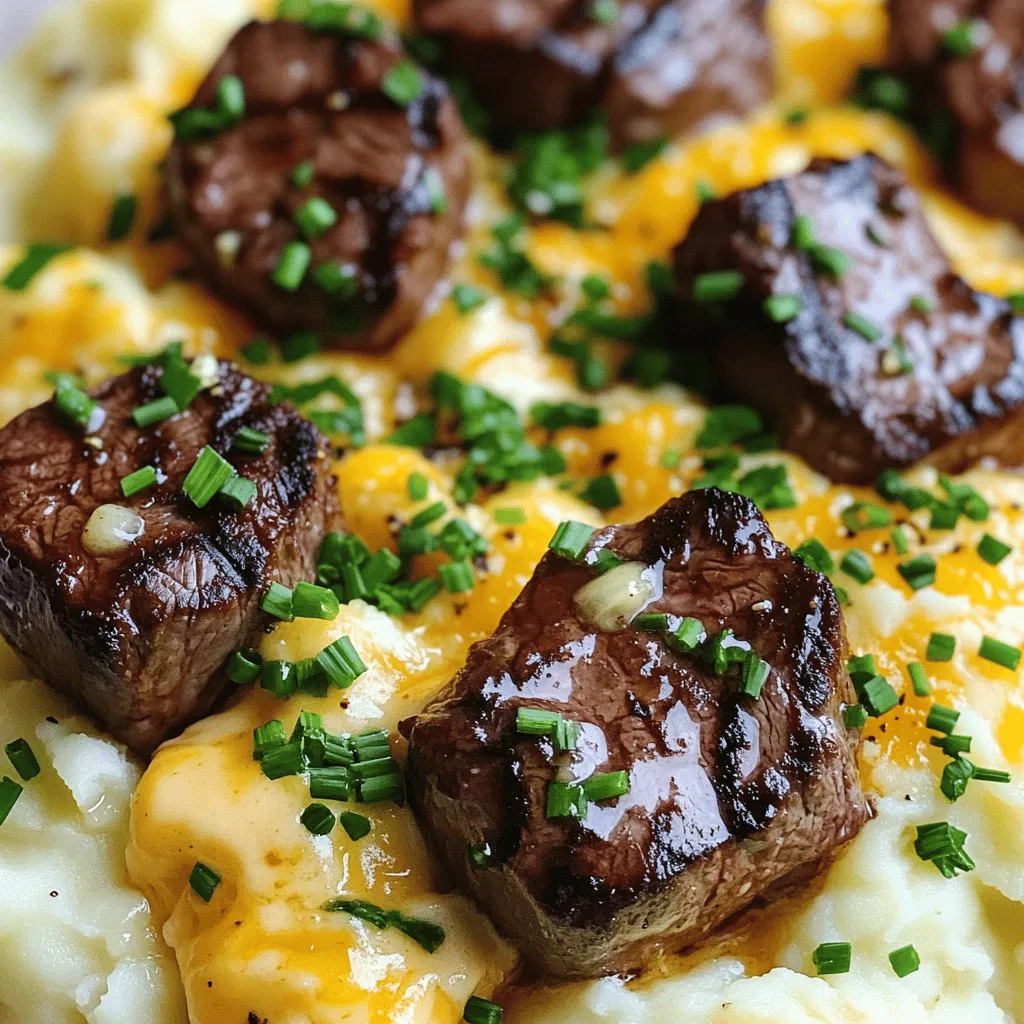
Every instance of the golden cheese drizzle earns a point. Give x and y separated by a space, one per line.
261 942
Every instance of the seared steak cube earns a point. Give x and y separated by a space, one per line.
660 68
326 191
722 793
131 604
824 300
964 64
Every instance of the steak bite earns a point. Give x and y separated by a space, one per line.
695 796
964 64
660 68
131 604
319 179
824 300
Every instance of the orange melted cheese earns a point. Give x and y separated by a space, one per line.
262 944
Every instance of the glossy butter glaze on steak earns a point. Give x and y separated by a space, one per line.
660 68
849 328
320 124
138 635
963 61
728 794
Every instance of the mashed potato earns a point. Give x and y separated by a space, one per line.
81 121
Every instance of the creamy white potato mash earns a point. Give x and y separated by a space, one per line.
88 899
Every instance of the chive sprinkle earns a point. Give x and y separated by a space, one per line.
122 217
832 958
267 737
138 481
606 786
803 233
602 492
468 297
900 541
566 800
302 174
867 329
815 556
315 216
74 405
570 539
783 308
942 719
918 679
356 826
904 961
943 845
862 515
830 261
208 474
878 696
509 516
154 412
940 647
854 716
953 744
999 653
418 486
403 83
856 564
918 572
292 266
481 1011
717 285
21 756
989 774
955 777
341 662
277 601
204 881
37 257
317 819
992 550
253 442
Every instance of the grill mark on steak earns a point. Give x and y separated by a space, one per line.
663 67
318 97
138 636
983 93
728 795
822 381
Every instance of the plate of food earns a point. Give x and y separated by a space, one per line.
511 511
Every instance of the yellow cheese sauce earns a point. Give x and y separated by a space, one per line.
262 946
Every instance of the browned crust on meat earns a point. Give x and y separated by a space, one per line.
317 96
138 637
823 383
728 794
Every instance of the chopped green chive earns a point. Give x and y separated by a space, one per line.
895 360
952 745
604 12
602 492
904 961
918 572
606 786
231 97
278 762
687 636
509 516
878 696
403 83
832 958
341 662
204 881
566 800
238 489
856 564
955 777
208 474
859 323
418 486
921 304
556 415
536 721
940 647
803 233
918 679
468 297
333 783
74 405
943 845
830 261
783 308
340 280
277 601
254 442
279 678
991 550
312 602
179 382
258 352
989 774
138 481
854 716
292 266
20 754
727 424
961 40
481 1011
437 198
267 737
9 793
299 345
670 458
315 216
318 819
570 539
862 515
942 719
457 577
122 217
428 515
815 556
717 285
356 826
900 541
302 174
36 258
999 653
755 674
944 516
154 412
795 116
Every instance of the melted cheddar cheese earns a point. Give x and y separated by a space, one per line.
262 946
